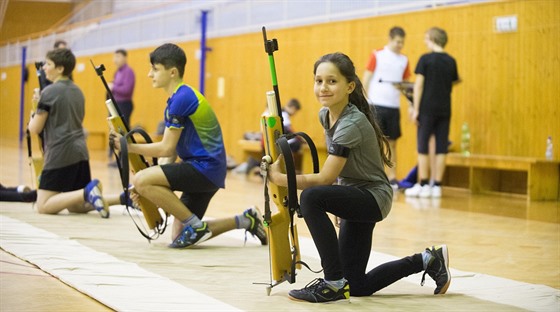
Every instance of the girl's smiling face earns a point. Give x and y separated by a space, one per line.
331 87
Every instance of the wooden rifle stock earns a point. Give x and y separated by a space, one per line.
282 245
151 213
282 232
153 218
36 163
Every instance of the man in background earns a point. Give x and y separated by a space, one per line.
385 66
122 86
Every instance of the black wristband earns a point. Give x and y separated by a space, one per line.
339 150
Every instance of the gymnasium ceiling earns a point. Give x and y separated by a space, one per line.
24 17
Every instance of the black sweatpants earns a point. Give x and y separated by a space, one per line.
10 194
348 255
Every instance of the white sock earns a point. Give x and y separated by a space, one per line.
193 221
242 222
338 283
426 257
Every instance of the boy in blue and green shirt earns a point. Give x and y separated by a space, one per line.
193 133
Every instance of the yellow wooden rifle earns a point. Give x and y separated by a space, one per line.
152 215
36 163
282 231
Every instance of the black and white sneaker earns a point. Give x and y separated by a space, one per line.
318 290
438 269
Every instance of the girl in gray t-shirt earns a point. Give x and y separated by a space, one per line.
353 186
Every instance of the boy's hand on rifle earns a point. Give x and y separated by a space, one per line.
115 140
35 99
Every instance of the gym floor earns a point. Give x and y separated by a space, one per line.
504 254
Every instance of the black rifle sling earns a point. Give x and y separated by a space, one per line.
124 168
312 149
293 203
28 139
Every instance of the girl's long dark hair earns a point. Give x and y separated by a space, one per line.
358 98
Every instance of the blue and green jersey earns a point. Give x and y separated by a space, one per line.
201 143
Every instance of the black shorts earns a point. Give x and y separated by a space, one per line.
197 189
437 125
66 179
389 120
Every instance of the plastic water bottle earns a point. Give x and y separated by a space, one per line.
465 140
548 154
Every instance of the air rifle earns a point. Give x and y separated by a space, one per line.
406 88
36 163
282 231
152 215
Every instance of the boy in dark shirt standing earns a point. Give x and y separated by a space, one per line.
436 73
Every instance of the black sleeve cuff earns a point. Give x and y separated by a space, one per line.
176 121
339 150
44 107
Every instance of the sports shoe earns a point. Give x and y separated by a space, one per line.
93 195
256 228
128 201
191 236
436 191
413 191
318 290
425 191
438 269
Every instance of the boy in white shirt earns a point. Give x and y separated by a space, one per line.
389 65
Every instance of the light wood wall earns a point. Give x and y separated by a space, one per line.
508 94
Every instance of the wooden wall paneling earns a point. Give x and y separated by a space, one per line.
9 91
508 94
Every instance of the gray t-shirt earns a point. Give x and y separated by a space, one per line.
63 134
364 168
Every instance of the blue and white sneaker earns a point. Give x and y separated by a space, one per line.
128 201
93 195
191 236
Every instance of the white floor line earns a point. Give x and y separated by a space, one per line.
120 285
481 286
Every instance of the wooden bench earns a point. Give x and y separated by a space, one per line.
251 148
535 178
